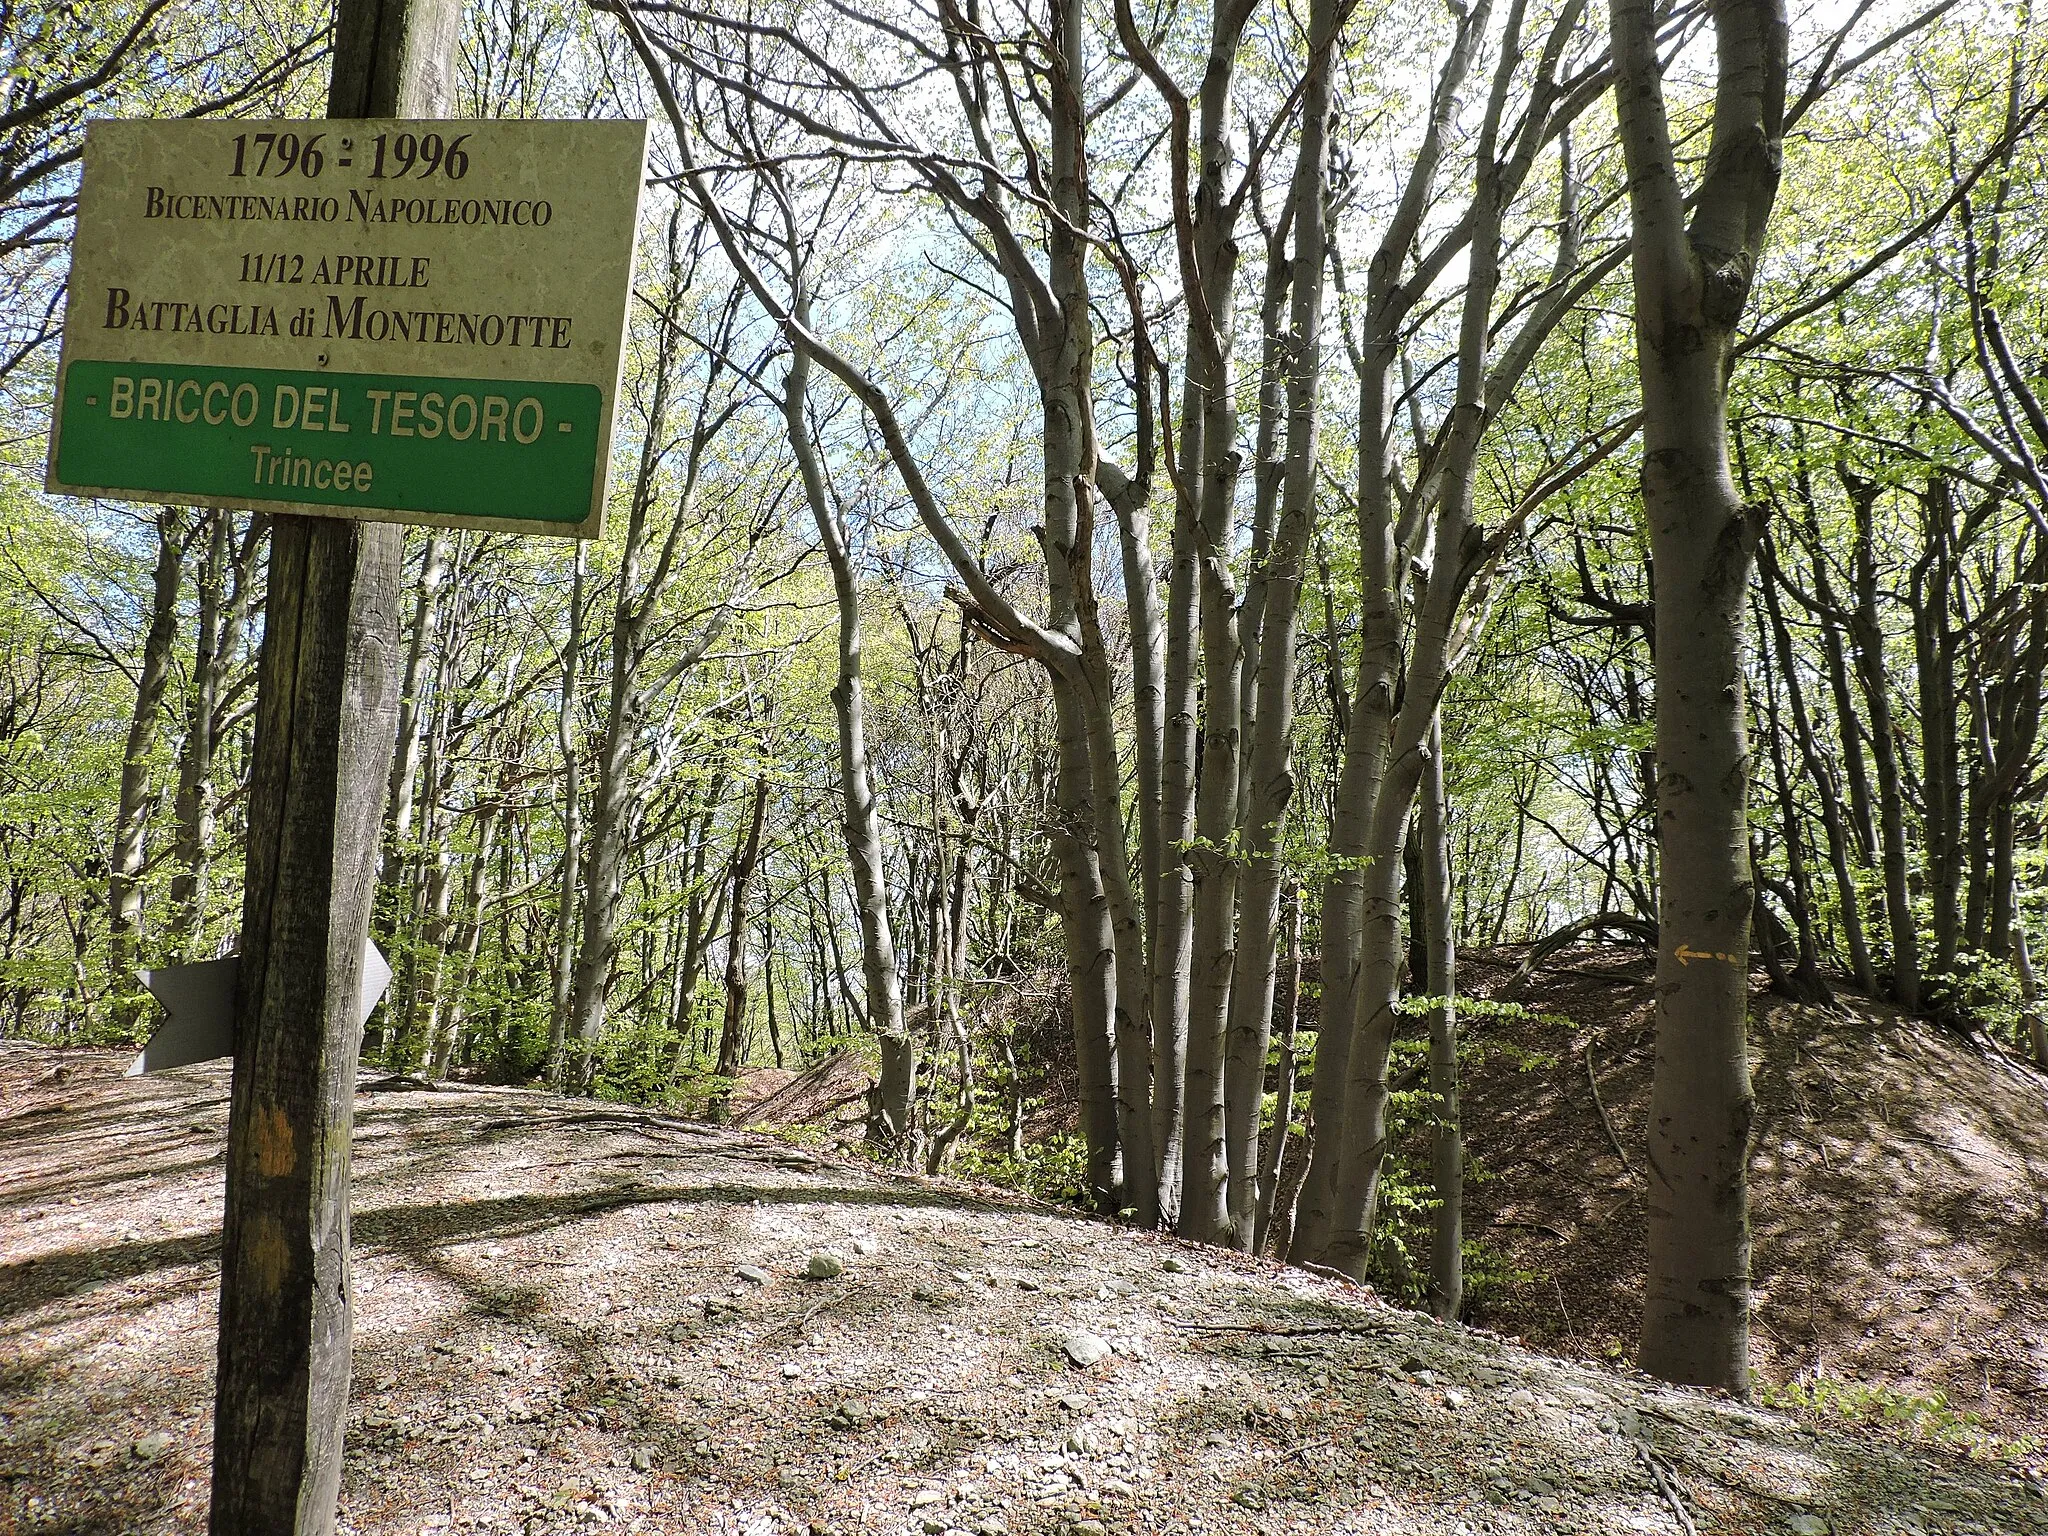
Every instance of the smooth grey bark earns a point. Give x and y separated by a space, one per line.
1096 905
421 646
1440 537
1205 222
1447 1139
197 799
1841 853
732 1032
1867 633
889 1123
1283 1098
1269 779
226 587
1691 284
455 944
566 924
2030 997
1268 472
1170 924
126 861
1369 711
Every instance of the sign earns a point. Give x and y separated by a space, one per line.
417 322
199 1009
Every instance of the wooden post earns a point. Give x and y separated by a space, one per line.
325 723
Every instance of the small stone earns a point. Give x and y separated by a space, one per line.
1174 1266
1026 1283
923 1293
1807 1525
1087 1528
1084 1349
1453 1398
925 1498
151 1445
792 1370
867 1247
1413 1363
1425 1378
643 1459
753 1274
824 1265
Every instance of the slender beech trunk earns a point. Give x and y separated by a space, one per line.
444 1020
1283 1097
889 1124
226 582
193 839
1868 633
2030 998
1841 852
420 650
1206 229
1934 672
1269 472
1269 781
1447 1142
566 924
1370 710
732 1033
131 811
1691 286
1086 824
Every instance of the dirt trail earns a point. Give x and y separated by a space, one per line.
574 1316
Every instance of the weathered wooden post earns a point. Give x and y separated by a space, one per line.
327 698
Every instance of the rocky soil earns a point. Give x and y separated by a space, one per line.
574 1316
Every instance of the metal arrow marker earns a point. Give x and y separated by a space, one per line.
199 1009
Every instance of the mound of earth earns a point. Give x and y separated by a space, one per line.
1899 1188
575 1315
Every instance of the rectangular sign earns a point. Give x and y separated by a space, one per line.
417 322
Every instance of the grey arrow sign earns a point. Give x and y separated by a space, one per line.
199 1009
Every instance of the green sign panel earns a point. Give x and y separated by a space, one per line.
470 448
411 321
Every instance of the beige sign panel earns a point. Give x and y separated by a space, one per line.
420 322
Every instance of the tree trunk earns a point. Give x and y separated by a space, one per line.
222 607
889 1125
426 625
1447 1144
1283 1098
2030 998
1868 632
1691 285
1821 775
1270 779
732 1033
131 812
572 828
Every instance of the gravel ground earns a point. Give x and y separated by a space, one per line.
574 1316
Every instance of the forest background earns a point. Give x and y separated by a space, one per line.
1003 664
